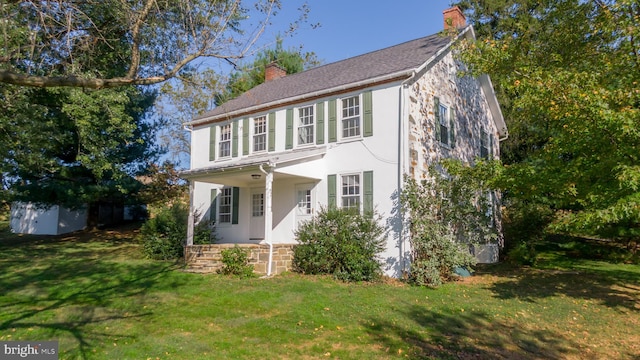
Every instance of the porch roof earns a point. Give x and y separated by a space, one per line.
278 161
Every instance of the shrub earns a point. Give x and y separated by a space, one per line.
446 215
235 261
340 242
435 255
524 227
163 235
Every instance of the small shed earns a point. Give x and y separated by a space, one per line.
29 218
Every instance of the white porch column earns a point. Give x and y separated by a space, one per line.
190 219
268 211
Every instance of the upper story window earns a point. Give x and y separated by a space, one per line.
305 125
444 123
485 147
260 134
225 141
351 117
350 194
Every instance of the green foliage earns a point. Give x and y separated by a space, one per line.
235 261
446 215
567 74
147 43
163 235
250 76
340 242
72 147
524 225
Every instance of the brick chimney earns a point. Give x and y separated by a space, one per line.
454 18
273 71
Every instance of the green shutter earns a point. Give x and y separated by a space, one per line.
245 137
212 143
320 123
452 126
367 199
213 210
331 191
272 131
289 135
367 100
235 204
490 135
234 139
333 121
436 116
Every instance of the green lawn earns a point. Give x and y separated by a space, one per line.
95 293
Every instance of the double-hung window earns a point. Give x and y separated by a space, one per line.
351 117
260 134
225 141
350 191
305 125
226 205
304 202
484 144
444 124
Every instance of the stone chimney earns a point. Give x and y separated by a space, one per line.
273 71
454 18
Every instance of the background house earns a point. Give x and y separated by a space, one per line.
343 134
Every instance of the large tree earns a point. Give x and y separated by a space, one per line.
68 42
72 147
195 93
568 76
251 75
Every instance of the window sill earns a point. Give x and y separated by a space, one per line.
350 139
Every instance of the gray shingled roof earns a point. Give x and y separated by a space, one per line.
404 57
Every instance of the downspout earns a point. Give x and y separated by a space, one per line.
403 151
268 216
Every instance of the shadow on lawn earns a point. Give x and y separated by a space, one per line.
611 288
465 335
59 285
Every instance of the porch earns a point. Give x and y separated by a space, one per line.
256 203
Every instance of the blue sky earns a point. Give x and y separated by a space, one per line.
353 27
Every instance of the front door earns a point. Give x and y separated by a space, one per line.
304 203
257 214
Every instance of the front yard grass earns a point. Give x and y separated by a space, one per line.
97 295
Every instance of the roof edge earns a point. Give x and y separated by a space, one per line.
302 97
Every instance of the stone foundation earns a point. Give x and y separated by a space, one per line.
208 258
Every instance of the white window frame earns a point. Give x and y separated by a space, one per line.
351 113
304 206
260 131
444 125
348 186
306 121
225 205
224 142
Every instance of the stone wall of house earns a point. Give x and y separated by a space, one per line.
471 112
208 258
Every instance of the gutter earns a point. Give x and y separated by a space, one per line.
319 93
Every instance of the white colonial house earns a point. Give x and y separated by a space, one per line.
343 134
